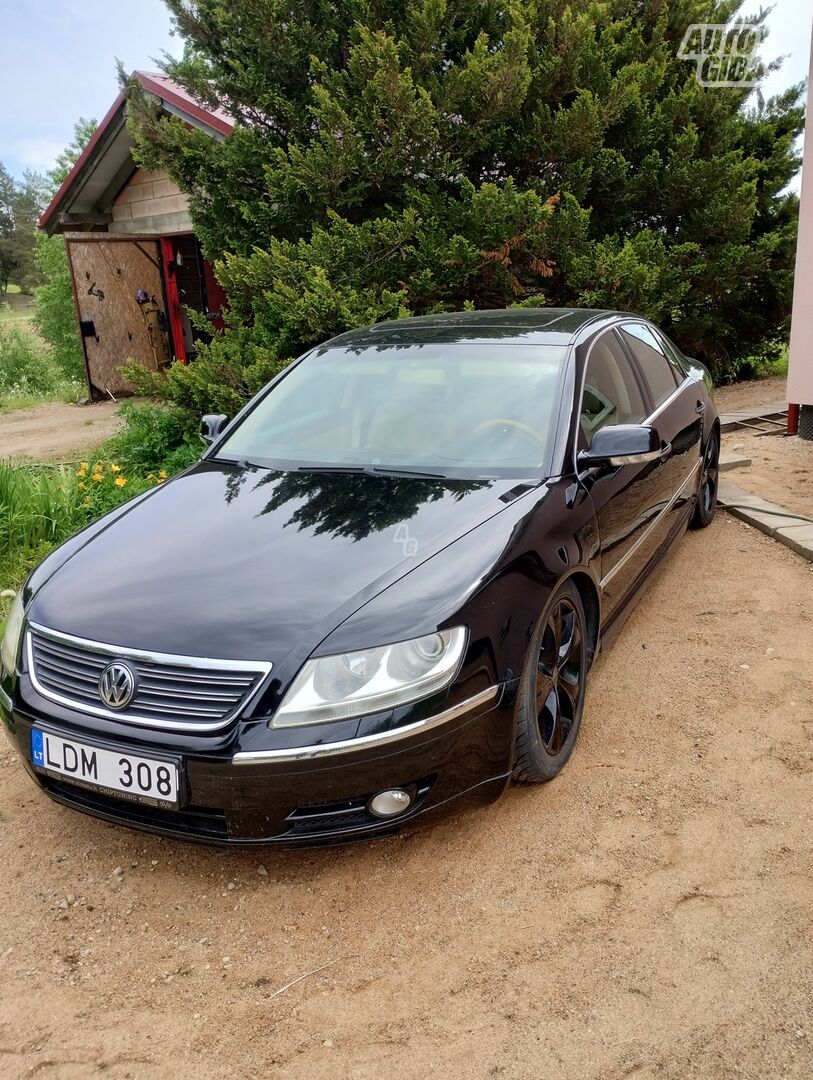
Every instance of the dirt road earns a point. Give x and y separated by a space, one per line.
56 430
648 914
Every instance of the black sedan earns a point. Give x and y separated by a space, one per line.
378 593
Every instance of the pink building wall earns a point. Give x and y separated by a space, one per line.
800 371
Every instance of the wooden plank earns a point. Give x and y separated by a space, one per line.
107 275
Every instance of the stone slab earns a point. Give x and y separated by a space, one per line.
733 461
798 538
773 520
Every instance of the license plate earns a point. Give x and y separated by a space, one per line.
129 776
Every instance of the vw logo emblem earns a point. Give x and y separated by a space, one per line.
117 685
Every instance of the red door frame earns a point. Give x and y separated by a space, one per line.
173 299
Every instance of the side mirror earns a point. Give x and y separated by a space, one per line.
621 444
212 425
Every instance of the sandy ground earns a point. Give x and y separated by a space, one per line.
648 914
781 468
748 394
56 430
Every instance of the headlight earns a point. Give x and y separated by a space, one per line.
371 680
11 638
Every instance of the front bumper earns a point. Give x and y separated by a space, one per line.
316 797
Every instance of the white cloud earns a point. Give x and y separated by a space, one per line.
38 152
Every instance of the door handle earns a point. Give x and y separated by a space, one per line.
665 451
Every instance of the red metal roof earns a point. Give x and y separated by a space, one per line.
168 92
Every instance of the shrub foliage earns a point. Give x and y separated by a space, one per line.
413 156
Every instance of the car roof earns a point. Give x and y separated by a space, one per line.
529 326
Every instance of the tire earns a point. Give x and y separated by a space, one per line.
550 699
706 503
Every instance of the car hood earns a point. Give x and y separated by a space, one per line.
236 562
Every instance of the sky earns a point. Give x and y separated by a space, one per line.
59 63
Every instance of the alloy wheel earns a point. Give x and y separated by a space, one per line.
708 482
559 675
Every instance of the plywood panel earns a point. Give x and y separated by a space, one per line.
107 275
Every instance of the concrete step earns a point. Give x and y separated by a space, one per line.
793 530
733 461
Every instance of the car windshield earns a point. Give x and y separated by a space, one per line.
445 409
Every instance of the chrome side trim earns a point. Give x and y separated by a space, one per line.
261 667
381 738
5 700
628 555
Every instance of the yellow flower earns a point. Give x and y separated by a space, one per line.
149 477
81 472
115 468
86 500
161 474
84 465
82 484
120 481
97 476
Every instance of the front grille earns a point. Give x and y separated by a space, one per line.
179 693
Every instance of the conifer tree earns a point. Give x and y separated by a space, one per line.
412 156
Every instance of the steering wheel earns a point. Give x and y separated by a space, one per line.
523 428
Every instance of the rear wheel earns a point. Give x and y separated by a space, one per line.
707 492
551 692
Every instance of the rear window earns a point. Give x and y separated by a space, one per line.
657 369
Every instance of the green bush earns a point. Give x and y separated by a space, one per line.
225 374
26 367
397 158
155 437
42 506
54 309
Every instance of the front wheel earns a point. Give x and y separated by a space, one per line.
550 699
707 491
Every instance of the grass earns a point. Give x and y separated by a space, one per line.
16 307
28 373
43 506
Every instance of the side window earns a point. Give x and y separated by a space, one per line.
611 391
659 373
679 362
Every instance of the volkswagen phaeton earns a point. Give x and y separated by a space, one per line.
378 593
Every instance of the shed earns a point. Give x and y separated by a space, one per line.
136 264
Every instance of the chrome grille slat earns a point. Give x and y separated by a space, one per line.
212 696
69 652
66 669
84 693
61 658
152 672
153 709
180 693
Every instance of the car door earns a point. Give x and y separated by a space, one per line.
626 497
677 416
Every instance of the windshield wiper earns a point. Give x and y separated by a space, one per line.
389 470
331 468
369 470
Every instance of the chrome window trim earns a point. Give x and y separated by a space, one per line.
667 400
628 554
190 663
656 412
381 738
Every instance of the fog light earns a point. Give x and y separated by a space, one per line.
387 804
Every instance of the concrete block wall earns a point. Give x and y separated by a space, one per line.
151 203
